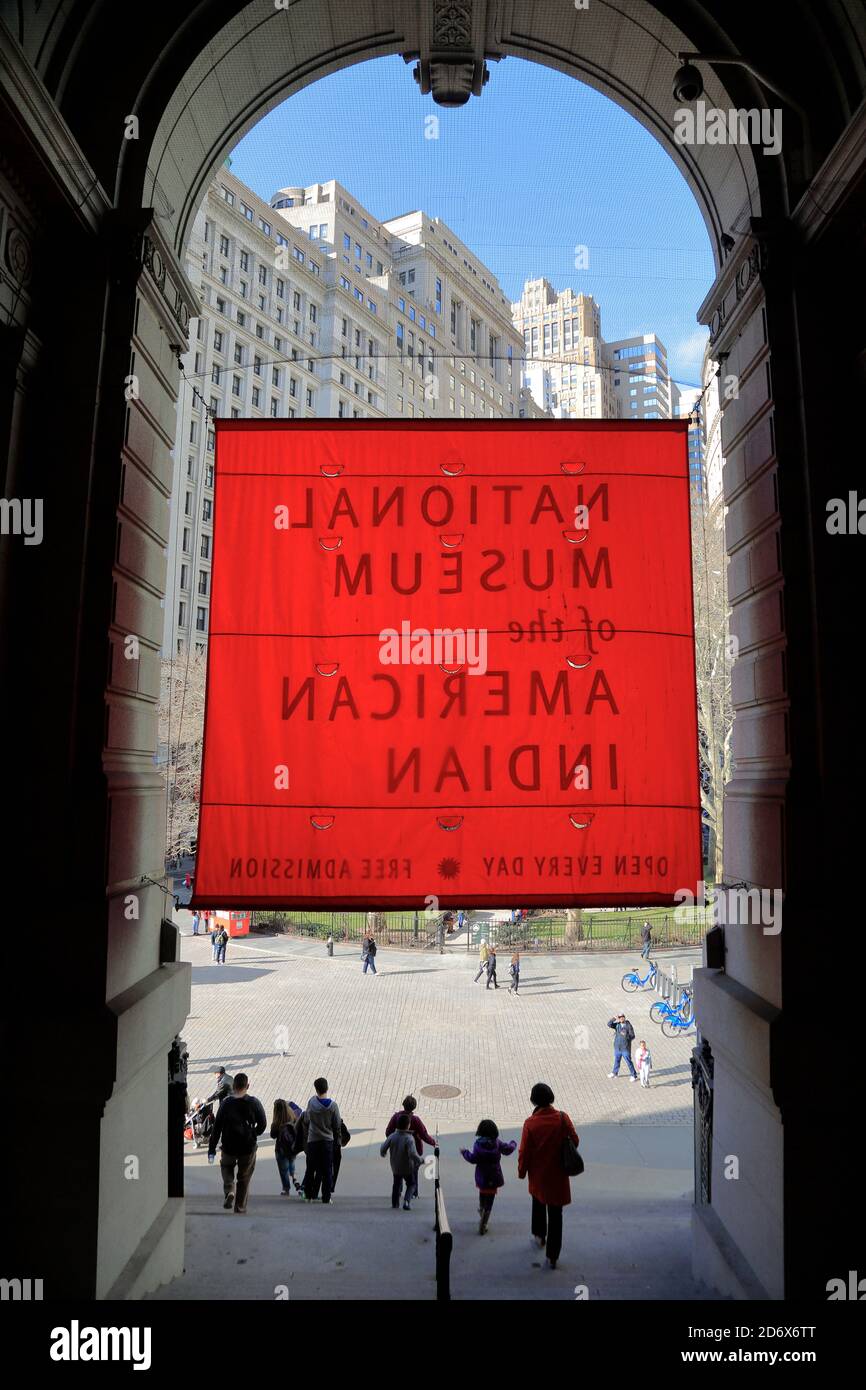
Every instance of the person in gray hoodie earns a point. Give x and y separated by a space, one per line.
404 1161
322 1129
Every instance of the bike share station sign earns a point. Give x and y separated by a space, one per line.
450 662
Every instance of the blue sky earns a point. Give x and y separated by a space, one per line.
535 167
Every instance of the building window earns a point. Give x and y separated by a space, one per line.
215 374
257 366
202 582
275 376
229 197
236 386
247 212
224 245
256 395
206 509
239 352
181 614
265 226
221 305
281 286
205 547
242 319
309 397
200 619
186 535
312 313
274 406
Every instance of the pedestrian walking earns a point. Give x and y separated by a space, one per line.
239 1122
461 918
224 1086
644 1061
540 1158
622 1041
646 936
487 1153
195 922
417 1129
491 969
404 1162
483 953
322 1122
220 942
284 1132
514 969
368 953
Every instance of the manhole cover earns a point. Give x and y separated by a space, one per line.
440 1092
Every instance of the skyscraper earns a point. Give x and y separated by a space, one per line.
311 306
567 366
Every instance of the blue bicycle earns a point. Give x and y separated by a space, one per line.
633 981
662 1009
675 1024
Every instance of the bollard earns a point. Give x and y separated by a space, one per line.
330 945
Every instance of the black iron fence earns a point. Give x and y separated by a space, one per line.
543 931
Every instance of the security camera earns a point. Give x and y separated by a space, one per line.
688 84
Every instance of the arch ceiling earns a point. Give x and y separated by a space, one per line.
199 80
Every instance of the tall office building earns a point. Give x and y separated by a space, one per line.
471 368
641 380
313 307
687 402
567 365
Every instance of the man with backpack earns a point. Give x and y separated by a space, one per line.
369 954
241 1119
220 942
623 1039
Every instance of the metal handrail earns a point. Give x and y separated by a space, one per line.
444 1238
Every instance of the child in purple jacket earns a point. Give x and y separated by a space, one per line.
486 1154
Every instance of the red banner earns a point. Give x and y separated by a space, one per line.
450 662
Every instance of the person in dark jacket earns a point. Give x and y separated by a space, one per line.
368 951
238 1124
224 1086
417 1129
646 937
540 1159
514 987
622 1041
491 969
487 1153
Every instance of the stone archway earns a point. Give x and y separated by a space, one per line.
120 210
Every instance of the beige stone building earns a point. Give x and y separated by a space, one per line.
568 367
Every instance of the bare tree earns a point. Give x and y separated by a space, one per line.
713 660
181 726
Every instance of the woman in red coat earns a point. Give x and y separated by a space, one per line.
540 1158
